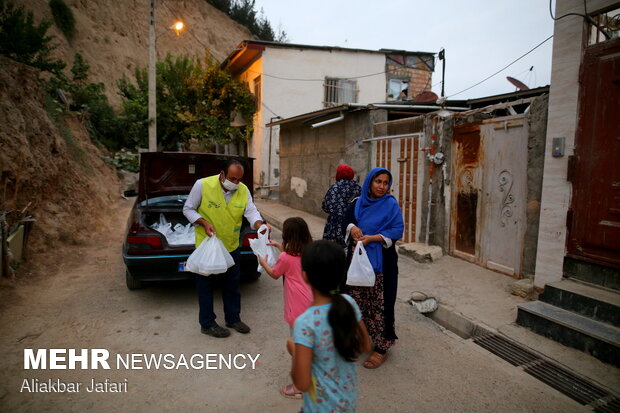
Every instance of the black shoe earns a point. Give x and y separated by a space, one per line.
215 331
239 326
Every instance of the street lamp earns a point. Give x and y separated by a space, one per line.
152 120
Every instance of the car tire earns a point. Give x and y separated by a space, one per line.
132 282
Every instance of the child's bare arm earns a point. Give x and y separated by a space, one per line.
302 367
263 262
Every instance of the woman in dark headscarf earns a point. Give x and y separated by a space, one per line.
376 219
336 202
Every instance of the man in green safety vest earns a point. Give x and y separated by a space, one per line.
216 205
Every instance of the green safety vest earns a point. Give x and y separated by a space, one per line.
226 218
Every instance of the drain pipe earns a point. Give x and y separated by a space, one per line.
428 213
433 158
269 161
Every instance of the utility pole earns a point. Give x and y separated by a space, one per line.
152 121
442 57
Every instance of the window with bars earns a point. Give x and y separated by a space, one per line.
609 22
339 91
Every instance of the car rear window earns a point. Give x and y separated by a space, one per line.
165 201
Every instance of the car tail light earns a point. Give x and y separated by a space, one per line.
144 243
247 238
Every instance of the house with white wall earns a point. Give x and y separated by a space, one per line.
291 79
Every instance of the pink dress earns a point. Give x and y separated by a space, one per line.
297 293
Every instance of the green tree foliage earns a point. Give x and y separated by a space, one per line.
24 41
244 12
79 69
63 17
89 98
194 100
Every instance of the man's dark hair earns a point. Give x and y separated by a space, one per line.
231 162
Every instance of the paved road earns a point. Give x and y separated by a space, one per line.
83 303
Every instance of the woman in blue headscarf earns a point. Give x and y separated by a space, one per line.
376 219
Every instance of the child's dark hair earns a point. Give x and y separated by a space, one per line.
324 264
295 236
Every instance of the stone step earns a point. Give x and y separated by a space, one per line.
421 252
605 276
588 300
594 337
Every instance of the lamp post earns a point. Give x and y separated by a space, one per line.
152 120
152 79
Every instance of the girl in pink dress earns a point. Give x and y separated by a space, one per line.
297 293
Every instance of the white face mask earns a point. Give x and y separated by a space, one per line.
229 186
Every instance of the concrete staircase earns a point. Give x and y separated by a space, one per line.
577 314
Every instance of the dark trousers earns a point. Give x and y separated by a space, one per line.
230 294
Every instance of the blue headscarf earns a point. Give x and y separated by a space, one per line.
378 216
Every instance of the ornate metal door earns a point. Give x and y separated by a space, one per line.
504 194
488 198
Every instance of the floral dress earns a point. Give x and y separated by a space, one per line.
336 203
334 380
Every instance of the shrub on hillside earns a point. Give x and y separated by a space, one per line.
63 17
24 41
101 121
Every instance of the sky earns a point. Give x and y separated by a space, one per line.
480 37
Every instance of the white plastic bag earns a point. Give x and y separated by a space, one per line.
261 249
360 272
211 257
180 235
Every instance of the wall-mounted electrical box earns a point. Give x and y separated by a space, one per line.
557 149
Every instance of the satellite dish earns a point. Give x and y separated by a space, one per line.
518 84
427 96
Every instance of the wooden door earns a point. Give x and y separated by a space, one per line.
594 215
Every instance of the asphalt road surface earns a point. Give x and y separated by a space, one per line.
82 303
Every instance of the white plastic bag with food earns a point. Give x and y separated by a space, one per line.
211 257
261 249
360 273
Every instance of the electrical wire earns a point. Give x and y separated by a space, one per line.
505 67
270 110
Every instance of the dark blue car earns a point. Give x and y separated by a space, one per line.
166 179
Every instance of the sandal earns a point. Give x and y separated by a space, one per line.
289 391
375 360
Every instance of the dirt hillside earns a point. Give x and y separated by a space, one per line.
112 35
50 168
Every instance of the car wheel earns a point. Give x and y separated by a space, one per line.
132 282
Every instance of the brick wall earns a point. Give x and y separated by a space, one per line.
420 78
